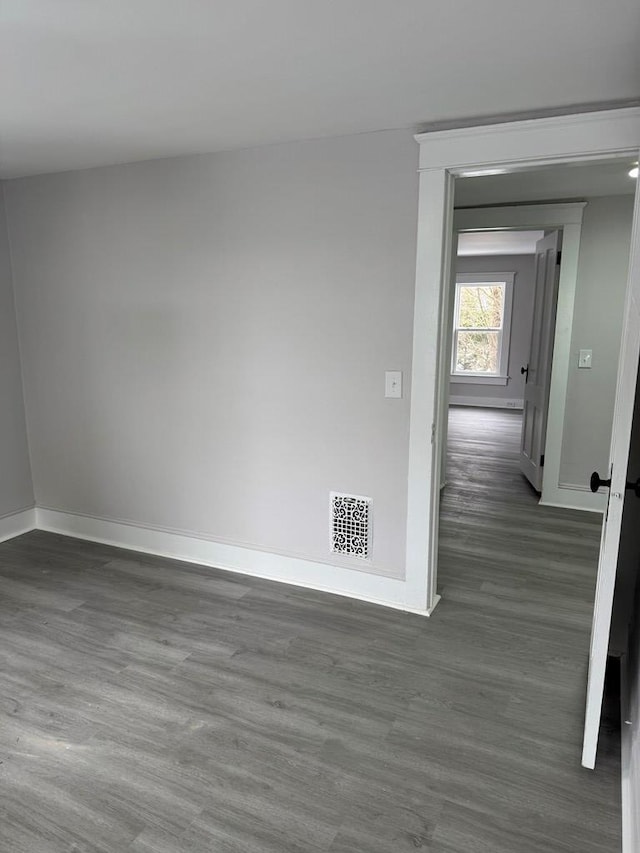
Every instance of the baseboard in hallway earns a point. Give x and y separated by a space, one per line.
486 402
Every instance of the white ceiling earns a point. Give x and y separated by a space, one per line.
477 243
94 82
602 178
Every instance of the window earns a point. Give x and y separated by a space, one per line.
481 327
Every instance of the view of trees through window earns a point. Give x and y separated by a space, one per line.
478 327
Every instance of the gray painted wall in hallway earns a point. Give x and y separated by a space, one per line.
597 324
205 339
16 490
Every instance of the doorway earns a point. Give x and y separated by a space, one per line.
502 332
525 583
444 156
551 372
523 339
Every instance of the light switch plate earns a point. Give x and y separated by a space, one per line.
584 360
393 383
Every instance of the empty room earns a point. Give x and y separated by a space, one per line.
319 427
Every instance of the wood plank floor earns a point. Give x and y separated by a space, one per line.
155 707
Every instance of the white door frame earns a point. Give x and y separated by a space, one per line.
568 217
445 155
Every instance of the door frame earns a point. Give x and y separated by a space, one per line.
443 156
568 218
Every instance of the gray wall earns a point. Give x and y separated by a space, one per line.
205 339
522 313
16 490
597 325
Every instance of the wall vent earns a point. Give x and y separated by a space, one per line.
351 525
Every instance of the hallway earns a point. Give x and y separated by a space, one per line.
491 520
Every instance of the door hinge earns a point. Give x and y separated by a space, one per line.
542 461
433 433
559 258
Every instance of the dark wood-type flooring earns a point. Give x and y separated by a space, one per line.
149 706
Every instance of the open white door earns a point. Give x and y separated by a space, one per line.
538 370
616 481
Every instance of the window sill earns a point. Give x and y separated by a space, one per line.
473 379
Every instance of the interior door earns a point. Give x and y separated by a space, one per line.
616 481
537 371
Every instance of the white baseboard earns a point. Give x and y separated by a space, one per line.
325 577
486 402
17 523
571 496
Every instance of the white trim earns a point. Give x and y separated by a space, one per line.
443 154
577 498
516 217
532 142
429 376
584 497
486 402
568 505
17 523
375 589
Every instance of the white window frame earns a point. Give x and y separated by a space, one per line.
502 376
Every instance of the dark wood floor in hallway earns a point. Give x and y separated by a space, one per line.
155 707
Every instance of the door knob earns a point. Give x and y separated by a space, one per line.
595 482
525 373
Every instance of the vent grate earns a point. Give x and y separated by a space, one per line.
351 525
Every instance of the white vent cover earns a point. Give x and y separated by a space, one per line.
351 525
